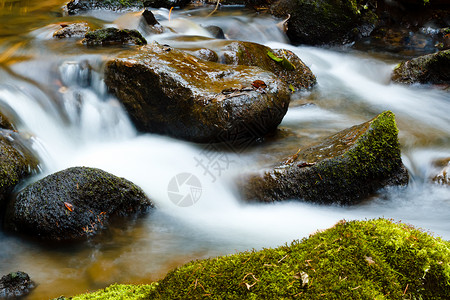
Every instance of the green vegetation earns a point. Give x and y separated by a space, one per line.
375 259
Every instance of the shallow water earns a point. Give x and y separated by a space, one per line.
72 121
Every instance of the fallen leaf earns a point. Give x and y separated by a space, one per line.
259 84
68 206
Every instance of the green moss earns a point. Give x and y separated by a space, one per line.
117 292
111 36
375 259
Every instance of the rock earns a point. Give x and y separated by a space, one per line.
351 260
168 91
431 68
149 17
283 63
79 6
215 31
73 204
205 54
325 21
114 36
150 24
166 3
344 168
16 163
5 122
72 30
15 285
442 168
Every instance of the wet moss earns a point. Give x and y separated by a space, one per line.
117 291
374 259
114 36
343 168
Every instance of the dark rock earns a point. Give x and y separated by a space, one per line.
149 17
215 31
6 123
168 91
15 284
73 204
442 171
78 6
72 30
166 3
325 21
114 36
290 69
431 68
344 168
17 162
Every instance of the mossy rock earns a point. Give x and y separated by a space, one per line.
343 168
73 204
375 259
171 92
79 6
16 163
431 68
317 22
114 36
283 63
15 285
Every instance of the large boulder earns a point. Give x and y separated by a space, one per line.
15 285
317 22
168 91
283 63
16 163
431 68
343 168
73 204
114 36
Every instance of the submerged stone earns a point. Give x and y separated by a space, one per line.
16 163
171 92
442 172
72 30
73 204
431 68
15 285
344 168
114 36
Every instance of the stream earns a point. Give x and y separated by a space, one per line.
66 113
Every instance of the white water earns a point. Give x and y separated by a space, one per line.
88 127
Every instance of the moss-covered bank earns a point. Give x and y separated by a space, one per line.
375 259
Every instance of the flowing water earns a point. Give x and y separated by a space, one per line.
62 107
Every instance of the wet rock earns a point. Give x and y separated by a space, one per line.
150 24
16 163
15 285
168 91
166 3
5 122
114 36
442 168
283 63
79 6
73 204
205 54
344 168
149 17
72 30
326 21
431 68
215 31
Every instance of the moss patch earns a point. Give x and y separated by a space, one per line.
114 36
375 259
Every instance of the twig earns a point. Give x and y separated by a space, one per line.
215 9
